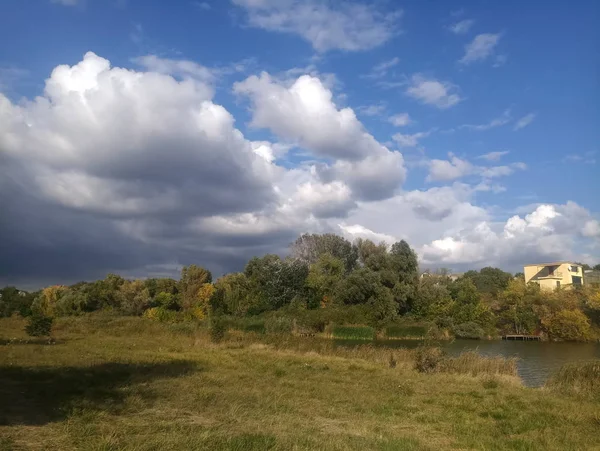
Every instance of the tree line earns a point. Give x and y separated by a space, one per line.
328 279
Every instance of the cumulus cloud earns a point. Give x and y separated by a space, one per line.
480 48
549 232
432 92
524 121
348 26
461 27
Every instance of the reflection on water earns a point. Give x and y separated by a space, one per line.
537 360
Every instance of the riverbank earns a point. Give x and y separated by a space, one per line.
130 383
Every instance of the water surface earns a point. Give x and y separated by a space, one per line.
537 360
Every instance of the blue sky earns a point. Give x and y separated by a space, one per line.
516 81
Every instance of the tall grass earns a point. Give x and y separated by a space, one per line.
577 378
474 364
399 331
353 332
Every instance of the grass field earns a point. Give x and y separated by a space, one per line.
111 383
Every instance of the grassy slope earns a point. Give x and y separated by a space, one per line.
127 383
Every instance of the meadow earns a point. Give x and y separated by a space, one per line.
128 383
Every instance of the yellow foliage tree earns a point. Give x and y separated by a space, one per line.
205 292
48 298
569 325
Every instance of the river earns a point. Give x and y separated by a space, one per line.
537 360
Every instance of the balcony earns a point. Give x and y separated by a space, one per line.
552 275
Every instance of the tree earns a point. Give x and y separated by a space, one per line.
489 280
404 262
325 275
192 279
569 325
367 251
596 267
134 297
236 293
520 307
13 300
46 301
382 304
308 248
39 325
360 286
275 282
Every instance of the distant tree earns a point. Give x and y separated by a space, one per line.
569 325
191 280
596 267
325 276
275 282
520 275
357 288
368 251
13 300
404 262
46 301
489 280
308 248
161 285
584 266
236 293
382 305
134 297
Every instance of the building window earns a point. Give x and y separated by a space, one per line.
574 268
558 283
577 280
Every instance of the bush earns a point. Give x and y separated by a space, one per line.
161 314
279 325
218 328
468 330
39 326
428 360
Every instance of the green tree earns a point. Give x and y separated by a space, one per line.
357 288
325 275
569 325
134 297
489 280
191 280
383 307
236 293
13 301
404 262
275 282
309 248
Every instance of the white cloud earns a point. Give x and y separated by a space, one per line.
500 60
352 232
372 110
524 121
480 48
455 168
179 68
462 27
504 119
349 26
586 157
400 120
381 69
304 112
406 140
433 92
494 156
444 170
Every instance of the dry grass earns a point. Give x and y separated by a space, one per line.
130 384
582 378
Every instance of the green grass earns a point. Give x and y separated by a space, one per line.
353 332
114 383
405 331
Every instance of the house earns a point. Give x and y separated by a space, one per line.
552 275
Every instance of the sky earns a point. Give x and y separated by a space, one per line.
140 136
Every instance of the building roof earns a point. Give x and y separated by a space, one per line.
553 263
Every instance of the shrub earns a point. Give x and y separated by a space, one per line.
39 325
161 314
428 360
279 325
469 330
218 328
